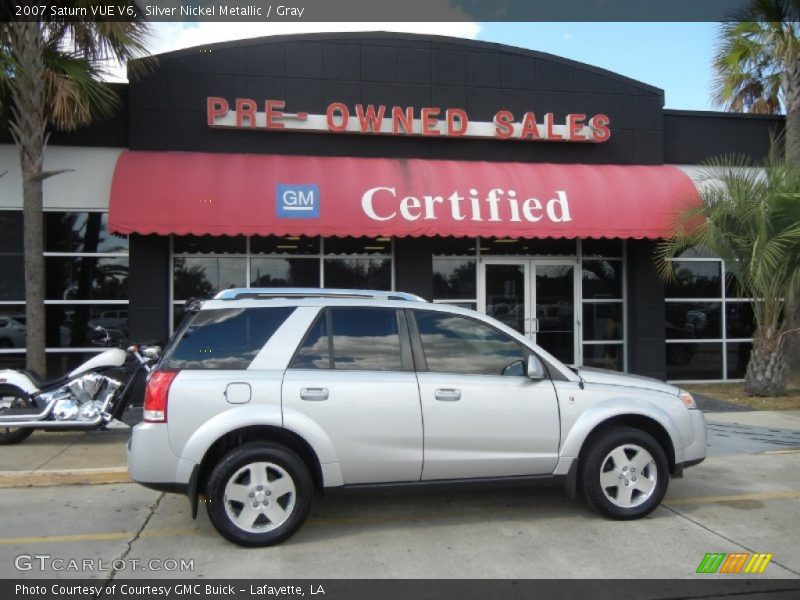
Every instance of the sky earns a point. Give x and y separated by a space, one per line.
675 57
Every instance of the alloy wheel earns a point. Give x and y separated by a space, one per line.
628 476
260 497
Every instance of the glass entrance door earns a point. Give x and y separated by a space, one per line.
537 297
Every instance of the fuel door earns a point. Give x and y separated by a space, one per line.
238 393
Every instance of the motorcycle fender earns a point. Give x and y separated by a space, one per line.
264 414
115 357
17 379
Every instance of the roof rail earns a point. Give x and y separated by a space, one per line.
267 293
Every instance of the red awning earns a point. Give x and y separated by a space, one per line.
250 194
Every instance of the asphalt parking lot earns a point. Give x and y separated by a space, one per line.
744 498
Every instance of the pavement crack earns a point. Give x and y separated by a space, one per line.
151 510
724 537
57 454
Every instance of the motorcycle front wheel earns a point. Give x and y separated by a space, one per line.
12 397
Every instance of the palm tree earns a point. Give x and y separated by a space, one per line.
757 65
51 78
750 217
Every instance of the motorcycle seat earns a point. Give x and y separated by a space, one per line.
41 382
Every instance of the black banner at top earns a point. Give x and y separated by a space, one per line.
377 11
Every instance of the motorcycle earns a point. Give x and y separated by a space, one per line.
92 396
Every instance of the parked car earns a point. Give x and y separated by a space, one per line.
12 332
264 396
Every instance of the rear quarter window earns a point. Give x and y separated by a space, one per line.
224 338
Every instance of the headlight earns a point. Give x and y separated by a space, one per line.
688 399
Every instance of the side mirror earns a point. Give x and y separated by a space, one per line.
536 369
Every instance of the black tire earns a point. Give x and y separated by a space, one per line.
14 435
599 467
240 467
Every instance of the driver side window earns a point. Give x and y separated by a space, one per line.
456 344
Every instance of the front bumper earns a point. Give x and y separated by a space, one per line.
694 453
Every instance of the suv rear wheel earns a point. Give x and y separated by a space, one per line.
259 494
625 473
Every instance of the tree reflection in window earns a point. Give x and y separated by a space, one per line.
455 344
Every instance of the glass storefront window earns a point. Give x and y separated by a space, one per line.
276 261
738 355
452 246
693 360
732 288
454 278
739 321
86 278
693 320
602 321
12 267
209 244
358 273
289 244
602 279
284 272
12 326
202 277
604 356
12 361
362 246
601 248
85 232
695 279
86 325
522 246
12 281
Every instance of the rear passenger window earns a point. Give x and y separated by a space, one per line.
363 339
225 338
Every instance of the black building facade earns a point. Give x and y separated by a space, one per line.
589 299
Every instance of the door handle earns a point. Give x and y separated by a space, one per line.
534 325
314 393
448 394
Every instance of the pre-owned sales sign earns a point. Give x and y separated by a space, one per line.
245 113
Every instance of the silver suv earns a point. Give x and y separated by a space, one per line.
264 396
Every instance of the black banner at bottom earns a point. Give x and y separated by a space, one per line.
405 589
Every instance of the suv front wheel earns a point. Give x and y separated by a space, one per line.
625 473
259 494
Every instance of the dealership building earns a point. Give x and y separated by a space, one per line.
523 185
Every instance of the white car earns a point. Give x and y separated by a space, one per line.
264 396
12 333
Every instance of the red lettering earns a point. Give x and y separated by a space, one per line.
273 110
430 121
216 107
600 130
368 120
504 124
402 118
548 128
245 108
529 127
457 117
343 114
575 127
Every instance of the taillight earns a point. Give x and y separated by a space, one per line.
156 394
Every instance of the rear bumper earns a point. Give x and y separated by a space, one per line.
151 461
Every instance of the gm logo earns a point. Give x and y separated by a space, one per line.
297 201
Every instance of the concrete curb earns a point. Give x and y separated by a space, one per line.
56 477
